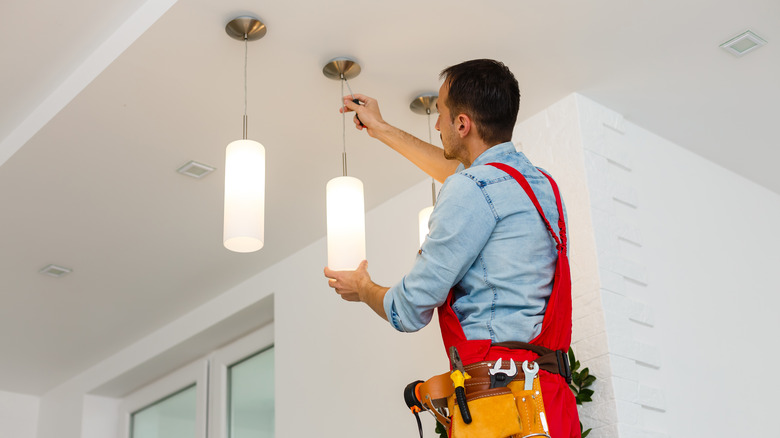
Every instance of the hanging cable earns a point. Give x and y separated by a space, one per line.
430 140
343 128
246 46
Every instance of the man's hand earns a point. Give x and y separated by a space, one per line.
424 155
368 112
357 286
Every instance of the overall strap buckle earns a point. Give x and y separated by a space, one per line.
564 368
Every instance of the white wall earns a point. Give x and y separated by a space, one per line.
18 415
712 258
686 253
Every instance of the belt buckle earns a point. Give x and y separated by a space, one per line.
564 369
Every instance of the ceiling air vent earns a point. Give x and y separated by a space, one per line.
195 169
743 43
55 271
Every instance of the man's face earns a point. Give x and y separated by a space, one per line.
453 146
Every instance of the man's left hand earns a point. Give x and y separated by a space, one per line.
348 284
357 286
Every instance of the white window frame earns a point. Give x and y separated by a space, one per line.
221 360
195 373
210 375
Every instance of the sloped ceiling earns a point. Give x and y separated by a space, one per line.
103 101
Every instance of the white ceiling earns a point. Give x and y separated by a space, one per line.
91 184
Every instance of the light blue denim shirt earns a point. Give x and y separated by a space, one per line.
488 241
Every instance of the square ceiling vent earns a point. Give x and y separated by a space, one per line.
743 43
55 271
195 169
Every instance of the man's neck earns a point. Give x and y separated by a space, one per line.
474 151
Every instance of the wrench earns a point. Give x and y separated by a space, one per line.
500 377
530 374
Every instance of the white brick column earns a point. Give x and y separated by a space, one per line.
632 352
581 144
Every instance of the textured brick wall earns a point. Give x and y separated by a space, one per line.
583 145
615 208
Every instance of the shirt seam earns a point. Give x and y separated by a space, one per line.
495 299
481 185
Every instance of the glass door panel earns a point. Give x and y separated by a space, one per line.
251 397
173 416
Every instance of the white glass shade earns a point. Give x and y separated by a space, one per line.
423 217
244 196
346 223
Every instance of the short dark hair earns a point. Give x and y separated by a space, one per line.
486 91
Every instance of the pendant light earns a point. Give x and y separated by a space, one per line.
344 194
426 104
244 167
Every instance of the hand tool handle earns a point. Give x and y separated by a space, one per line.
460 396
356 101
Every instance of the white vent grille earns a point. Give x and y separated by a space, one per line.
55 271
195 169
743 43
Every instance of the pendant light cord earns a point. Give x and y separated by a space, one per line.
246 46
430 140
343 128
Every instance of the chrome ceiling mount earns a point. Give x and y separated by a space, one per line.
246 28
424 103
341 68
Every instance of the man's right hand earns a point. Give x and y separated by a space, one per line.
426 156
367 111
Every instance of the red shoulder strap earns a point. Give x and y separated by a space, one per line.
561 242
556 325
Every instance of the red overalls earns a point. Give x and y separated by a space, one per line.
559 402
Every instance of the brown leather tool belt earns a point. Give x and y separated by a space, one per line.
436 389
552 361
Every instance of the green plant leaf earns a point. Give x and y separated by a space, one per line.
580 381
585 396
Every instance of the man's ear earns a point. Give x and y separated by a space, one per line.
463 124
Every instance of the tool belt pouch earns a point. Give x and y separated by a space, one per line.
494 414
530 407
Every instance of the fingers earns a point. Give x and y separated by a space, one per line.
351 296
349 105
361 97
344 282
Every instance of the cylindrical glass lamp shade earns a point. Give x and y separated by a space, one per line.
423 217
346 223
244 196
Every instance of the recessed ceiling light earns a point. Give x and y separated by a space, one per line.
55 271
743 43
195 169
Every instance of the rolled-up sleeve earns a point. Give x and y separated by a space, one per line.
460 225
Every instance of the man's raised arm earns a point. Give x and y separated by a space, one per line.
424 155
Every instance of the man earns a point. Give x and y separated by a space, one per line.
489 260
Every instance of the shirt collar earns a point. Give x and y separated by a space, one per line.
493 153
